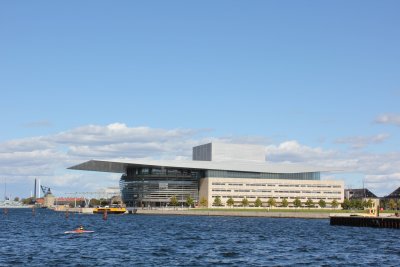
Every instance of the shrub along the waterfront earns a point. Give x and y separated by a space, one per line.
258 202
310 203
230 202
297 202
245 202
271 202
203 202
173 201
217 201
322 203
189 201
285 203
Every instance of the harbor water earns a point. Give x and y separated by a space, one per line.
38 239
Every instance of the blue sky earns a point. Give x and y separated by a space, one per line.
313 81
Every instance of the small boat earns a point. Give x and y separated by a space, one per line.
78 232
113 209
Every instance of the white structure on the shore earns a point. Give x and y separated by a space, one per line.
218 170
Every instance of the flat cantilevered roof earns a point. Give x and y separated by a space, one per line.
120 167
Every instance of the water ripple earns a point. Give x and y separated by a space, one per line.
27 240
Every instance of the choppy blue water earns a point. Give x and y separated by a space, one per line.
135 240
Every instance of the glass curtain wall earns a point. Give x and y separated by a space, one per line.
154 187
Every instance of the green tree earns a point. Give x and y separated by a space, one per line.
271 202
27 201
189 201
322 203
203 202
258 202
245 202
334 204
297 202
94 202
230 202
173 201
370 203
16 199
356 204
103 202
364 204
310 203
346 204
285 202
217 201
392 204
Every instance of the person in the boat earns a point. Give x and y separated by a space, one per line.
80 228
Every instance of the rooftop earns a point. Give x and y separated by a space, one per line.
120 167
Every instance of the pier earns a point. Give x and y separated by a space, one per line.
360 221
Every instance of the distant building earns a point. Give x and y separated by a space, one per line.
70 201
358 194
218 170
394 195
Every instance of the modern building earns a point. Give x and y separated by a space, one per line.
218 170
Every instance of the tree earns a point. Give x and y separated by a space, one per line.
364 204
285 202
346 204
230 202
203 202
217 201
27 201
370 203
392 204
103 202
94 202
271 202
189 201
356 204
16 199
322 203
173 201
310 203
258 202
334 204
297 202
245 202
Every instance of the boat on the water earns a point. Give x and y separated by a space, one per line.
78 232
113 209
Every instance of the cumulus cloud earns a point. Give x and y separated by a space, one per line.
47 157
357 142
388 119
292 151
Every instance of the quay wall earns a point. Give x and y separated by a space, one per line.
269 214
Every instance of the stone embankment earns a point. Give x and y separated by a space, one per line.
268 214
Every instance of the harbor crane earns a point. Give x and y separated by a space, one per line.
46 190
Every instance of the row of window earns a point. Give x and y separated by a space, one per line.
279 198
278 191
279 185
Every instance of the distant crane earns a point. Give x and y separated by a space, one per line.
46 190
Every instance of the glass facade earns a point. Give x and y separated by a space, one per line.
154 186
151 187
288 176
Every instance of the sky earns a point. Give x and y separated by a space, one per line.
315 82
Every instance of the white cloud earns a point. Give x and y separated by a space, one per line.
47 157
357 142
388 119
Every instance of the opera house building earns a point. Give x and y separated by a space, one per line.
218 170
